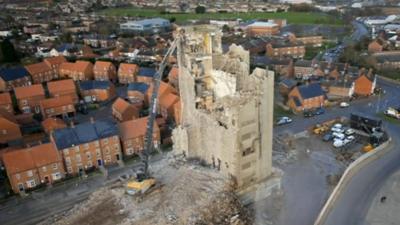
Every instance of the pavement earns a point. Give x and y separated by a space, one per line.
305 187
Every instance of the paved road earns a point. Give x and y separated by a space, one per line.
317 197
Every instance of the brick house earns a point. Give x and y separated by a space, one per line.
295 50
145 75
387 60
104 71
164 89
127 73
62 88
133 134
340 90
306 97
364 85
173 77
80 70
136 93
87 145
315 40
29 167
262 29
177 110
123 111
40 72
14 77
9 127
96 90
375 46
166 105
6 102
285 86
55 63
29 98
51 124
57 107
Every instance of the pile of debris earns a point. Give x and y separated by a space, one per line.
190 194
284 151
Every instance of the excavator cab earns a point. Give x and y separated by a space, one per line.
139 185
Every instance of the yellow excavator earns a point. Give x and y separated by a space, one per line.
143 182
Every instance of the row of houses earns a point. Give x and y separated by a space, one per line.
315 94
57 67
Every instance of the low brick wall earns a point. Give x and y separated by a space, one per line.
353 168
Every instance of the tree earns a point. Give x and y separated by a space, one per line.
200 9
172 20
225 28
8 51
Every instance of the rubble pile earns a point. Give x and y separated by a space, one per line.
284 150
189 194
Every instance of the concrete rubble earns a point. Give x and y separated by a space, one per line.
190 194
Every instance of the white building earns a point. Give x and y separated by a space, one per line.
148 25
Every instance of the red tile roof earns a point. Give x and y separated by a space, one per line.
120 105
57 60
7 115
102 65
5 98
51 124
173 73
30 158
134 128
168 100
37 68
78 66
128 68
61 85
29 91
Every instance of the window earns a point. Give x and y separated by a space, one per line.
128 143
89 164
69 169
116 147
78 158
29 173
107 150
55 166
86 146
247 151
64 108
105 141
4 132
56 176
44 169
98 153
96 143
115 138
24 102
108 158
18 176
31 183
77 149
88 155
66 151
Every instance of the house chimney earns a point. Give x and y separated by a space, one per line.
91 120
72 124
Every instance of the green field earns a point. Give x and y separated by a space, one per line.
292 17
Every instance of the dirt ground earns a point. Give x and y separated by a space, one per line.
189 194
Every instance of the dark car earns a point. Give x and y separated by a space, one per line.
319 111
308 114
327 137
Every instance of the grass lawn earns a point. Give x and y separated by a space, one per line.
389 119
279 111
292 17
392 74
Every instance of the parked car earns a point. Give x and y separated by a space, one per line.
344 104
338 143
349 131
308 113
337 130
338 125
319 111
283 120
327 137
338 135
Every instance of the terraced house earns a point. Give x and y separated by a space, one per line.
133 134
29 98
104 71
136 93
96 90
29 167
87 145
80 70
127 73
6 102
57 107
62 88
14 77
9 127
